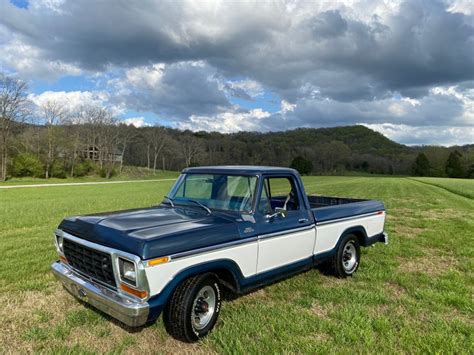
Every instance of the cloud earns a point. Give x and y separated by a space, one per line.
401 63
437 135
136 121
177 90
72 100
227 122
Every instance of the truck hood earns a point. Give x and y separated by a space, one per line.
154 232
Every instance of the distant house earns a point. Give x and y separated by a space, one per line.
93 153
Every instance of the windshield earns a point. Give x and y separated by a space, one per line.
216 191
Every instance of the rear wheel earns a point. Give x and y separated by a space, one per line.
193 308
347 258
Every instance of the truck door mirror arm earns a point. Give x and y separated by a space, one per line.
279 211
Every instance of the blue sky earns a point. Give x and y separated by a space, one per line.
403 68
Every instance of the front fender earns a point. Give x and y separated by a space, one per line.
159 301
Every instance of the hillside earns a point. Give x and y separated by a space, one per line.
337 150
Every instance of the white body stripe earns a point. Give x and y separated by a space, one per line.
285 249
328 234
244 255
266 253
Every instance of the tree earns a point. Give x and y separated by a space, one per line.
190 147
27 164
421 166
301 164
126 135
54 115
156 139
453 165
108 141
14 108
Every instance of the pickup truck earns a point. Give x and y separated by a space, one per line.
226 227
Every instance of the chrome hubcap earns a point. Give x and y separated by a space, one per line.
349 256
204 306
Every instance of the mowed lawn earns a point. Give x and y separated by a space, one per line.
415 295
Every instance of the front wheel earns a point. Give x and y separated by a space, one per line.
347 258
194 307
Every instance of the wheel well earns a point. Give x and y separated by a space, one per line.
360 235
227 279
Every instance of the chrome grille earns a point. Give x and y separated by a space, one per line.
93 263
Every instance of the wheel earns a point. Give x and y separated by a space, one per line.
347 258
194 307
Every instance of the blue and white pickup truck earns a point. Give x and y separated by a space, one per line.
232 227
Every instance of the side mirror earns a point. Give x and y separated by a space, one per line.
279 212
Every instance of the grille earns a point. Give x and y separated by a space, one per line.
90 262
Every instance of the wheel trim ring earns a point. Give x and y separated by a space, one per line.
201 320
349 257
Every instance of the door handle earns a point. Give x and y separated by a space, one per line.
303 220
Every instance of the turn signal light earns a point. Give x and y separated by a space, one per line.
138 293
63 259
157 261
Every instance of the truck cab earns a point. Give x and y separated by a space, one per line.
234 227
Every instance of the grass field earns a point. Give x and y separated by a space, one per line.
414 296
129 173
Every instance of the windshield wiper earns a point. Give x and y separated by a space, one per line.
170 201
202 205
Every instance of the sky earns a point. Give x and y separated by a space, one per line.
402 68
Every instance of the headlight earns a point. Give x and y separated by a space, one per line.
59 241
128 272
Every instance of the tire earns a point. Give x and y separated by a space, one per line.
347 258
193 309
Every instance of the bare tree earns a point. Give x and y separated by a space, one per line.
73 130
190 147
156 139
54 115
108 140
127 135
13 109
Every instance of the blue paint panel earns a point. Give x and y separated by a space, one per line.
239 169
157 231
324 214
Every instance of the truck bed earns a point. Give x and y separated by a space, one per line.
327 209
324 201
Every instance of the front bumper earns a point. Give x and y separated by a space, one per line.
132 312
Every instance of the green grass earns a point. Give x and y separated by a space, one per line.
463 187
129 173
414 295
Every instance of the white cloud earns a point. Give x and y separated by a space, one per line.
28 61
251 87
434 135
148 76
136 121
462 6
74 100
227 122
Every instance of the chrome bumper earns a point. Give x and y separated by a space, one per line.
127 310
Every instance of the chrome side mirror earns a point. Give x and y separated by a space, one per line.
279 212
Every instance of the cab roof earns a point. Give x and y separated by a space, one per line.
240 169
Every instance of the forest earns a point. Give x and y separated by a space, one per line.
51 141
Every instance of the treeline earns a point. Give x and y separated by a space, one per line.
51 141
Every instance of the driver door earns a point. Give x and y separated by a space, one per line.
286 239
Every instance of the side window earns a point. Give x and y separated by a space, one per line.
278 192
264 203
